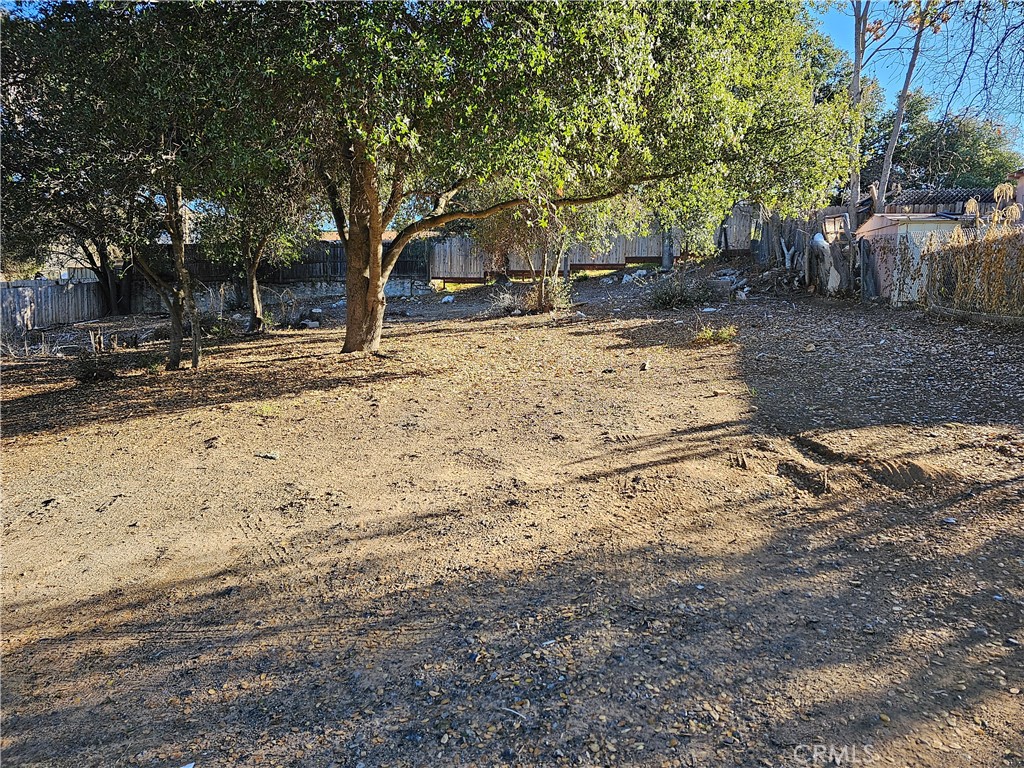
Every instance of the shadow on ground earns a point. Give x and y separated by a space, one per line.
832 616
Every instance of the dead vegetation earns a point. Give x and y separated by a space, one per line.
680 291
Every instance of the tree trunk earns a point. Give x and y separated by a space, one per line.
364 292
542 303
183 302
177 331
256 322
113 284
901 104
860 22
97 251
365 278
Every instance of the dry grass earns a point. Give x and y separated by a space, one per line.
979 271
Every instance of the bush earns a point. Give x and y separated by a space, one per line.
89 368
557 295
676 292
505 301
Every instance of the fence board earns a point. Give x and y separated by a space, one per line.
27 305
460 258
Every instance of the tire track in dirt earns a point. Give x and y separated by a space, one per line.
286 579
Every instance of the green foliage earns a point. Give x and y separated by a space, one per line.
829 67
707 335
65 182
949 151
553 101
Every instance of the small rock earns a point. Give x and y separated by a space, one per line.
448 299
310 324
950 521
640 273
270 456
979 632
645 365
884 718
607 281
627 279
809 348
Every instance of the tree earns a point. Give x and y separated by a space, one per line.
442 112
257 224
541 236
951 151
966 48
110 104
568 103
926 15
62 184
163 95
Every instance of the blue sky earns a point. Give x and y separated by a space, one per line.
837 23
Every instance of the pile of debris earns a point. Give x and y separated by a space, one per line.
728 284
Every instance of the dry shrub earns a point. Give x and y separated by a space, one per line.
92 367
979 270
676 292
505 301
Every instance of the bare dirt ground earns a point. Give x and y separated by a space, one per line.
525 541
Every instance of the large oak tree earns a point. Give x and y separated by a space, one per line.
434 112
465 110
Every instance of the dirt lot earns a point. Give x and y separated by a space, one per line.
525 541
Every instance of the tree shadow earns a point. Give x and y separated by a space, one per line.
736 630
235 372
332 656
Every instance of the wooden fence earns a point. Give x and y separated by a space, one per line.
27 305
320 262
458 259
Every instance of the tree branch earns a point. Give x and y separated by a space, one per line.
397 192
334 201
442 200
433 220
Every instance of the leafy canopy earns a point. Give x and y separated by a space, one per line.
949 151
